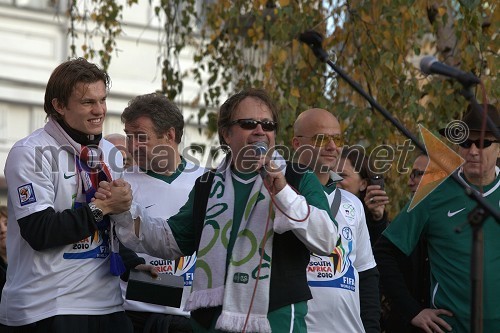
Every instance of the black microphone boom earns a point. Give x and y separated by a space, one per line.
477 217
430 65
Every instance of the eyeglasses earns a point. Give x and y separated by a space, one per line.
321 140
468 143
250 124
416 173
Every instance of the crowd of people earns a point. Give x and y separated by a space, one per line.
257 244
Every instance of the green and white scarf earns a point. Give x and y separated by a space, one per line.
211 287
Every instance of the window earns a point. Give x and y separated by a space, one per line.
33 4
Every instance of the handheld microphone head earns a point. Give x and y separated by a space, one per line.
260 148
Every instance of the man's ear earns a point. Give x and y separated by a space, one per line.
170 135
225 135
59 107
295 143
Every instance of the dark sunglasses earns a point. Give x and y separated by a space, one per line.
250 124
416 173
468 143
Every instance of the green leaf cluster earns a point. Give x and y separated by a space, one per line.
255 44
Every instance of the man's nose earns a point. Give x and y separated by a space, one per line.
474 149
259 130
331 145
99 108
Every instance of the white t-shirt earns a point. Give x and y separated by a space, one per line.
70 279
334 279
162 197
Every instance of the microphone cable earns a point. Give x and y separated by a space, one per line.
264 240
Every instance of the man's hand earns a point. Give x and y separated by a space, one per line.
430 322
114 197
148 268
104 191
274 178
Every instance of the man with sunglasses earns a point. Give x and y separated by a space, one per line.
240 217
344 283
436 218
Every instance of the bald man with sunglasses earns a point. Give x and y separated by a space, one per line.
436 218
344 283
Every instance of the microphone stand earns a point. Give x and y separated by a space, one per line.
476 217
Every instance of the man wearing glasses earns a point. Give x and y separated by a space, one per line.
240 217
415 269
344 283
417 172
436 218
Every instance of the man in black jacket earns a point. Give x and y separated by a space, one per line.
237 235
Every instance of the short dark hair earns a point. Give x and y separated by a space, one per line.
163 113
359 162
227 109
65 77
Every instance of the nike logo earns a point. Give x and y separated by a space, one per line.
450 214
68 176
149 206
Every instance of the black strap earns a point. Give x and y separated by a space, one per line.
202 188
336 202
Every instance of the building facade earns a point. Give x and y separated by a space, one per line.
34 40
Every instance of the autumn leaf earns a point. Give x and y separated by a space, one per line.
295 92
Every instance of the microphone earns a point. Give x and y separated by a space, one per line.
261 149
314 40
430 65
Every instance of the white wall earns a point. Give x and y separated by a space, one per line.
33 41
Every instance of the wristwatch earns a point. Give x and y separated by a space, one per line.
96 212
